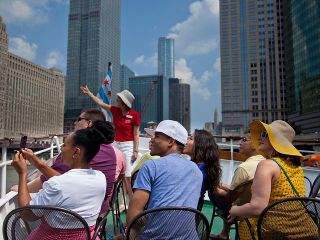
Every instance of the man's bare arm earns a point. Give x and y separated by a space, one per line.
137 204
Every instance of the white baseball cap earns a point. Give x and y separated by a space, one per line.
172 129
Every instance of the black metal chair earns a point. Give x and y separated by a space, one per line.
233 196
315 188
291 218
178 223
114 209
308 184
46 222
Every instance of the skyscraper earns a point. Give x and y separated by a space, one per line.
252 63
125 74
151 97
302 51
93 41
166 57
179 102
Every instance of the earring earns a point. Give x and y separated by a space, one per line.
73 156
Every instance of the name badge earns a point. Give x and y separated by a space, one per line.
129 116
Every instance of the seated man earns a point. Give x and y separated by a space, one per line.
244 173
105 160
170 180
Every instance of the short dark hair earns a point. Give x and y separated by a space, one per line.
94 115
180 146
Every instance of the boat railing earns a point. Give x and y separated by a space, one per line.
228 143
5 143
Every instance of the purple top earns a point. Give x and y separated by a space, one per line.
105 161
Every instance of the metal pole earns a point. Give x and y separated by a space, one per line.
231 164
51 147
4 170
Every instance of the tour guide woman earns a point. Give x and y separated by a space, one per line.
127 123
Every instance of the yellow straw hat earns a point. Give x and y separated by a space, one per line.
280 135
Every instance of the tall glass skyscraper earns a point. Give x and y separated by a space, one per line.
151 98
166 57
252 63
179 102
93 41
125 74
302 44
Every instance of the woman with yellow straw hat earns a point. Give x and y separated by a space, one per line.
273 176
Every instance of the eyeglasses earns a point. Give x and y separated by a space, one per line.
244 139
263 135
81 118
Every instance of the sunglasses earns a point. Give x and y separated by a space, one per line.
244 139
263 135
81 118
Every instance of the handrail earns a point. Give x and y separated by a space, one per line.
54 144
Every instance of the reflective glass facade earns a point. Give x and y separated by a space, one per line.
93 41
151 98
302 39
179 98
125 74
166 57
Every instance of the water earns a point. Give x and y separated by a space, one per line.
12 177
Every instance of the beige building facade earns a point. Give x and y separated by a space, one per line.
31 96
252 63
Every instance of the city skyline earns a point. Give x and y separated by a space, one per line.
195 26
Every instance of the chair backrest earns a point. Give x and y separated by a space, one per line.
169 223
241 194
308 184
291 218
116 191
44 222
314 192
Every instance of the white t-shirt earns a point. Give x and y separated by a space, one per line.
80 190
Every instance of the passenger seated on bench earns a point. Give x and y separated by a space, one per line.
106 160
203 150
81 189
244 172
273 176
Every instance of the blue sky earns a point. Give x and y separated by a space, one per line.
38 32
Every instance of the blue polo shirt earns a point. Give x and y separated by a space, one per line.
171 180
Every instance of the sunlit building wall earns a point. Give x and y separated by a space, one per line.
252 63
32 97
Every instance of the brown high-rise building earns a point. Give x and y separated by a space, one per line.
252 63
31 96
